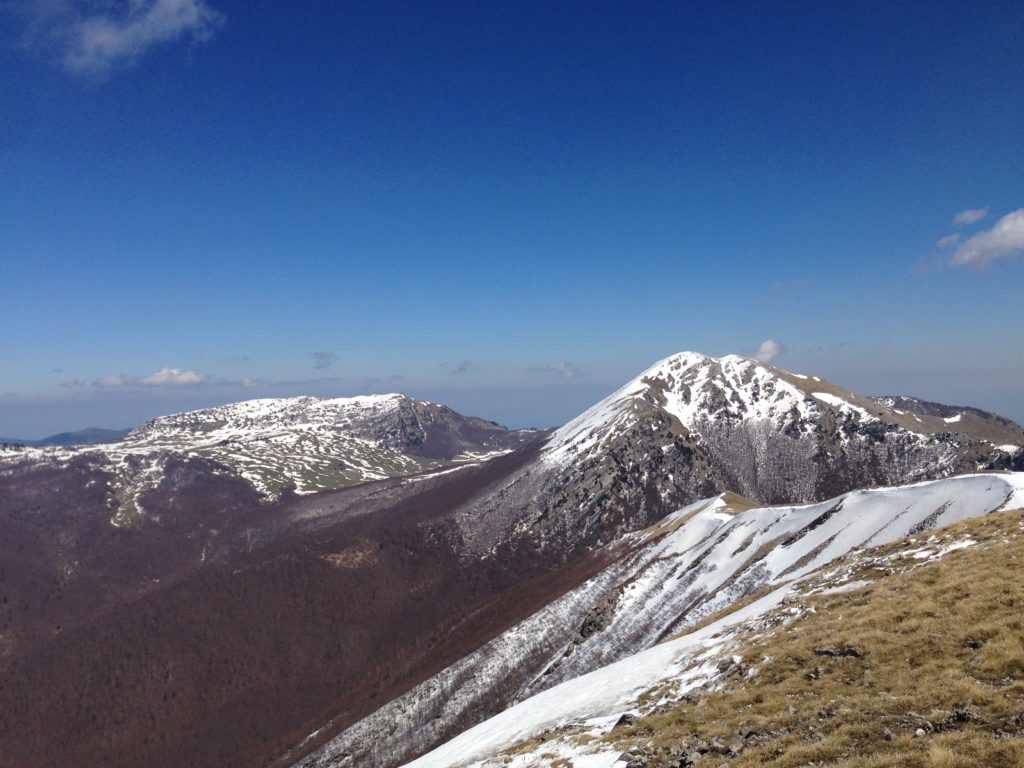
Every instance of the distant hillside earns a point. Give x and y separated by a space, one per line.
87 436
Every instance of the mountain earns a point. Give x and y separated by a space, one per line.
791 643
693 426
244 585
777 436
87 528
974 422
298 444
314 444
87 436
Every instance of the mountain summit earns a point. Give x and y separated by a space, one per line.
697 425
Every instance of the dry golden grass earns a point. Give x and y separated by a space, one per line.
934 638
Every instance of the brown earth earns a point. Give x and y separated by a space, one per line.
233 660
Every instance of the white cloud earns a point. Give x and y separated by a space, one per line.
768 350
949 241
174 377
562 368
1004 241
165 377
91 37
970 216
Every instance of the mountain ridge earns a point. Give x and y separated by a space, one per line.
299 444
381 583
86 436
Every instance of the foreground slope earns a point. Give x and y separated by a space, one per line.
898 647
702 560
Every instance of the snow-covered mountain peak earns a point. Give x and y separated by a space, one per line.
701 393
702 423
692 388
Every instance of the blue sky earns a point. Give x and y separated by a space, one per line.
508 207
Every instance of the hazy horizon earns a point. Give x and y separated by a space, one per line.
515 407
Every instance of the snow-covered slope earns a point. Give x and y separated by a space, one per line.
307 443
691 426
700 560
312 442
707 557
706 396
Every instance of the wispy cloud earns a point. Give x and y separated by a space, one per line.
165 377
117 380
175 377
970 216
561 368
380 384
768 351
949 240
72 384
462 367
1004 241
90 38
322 360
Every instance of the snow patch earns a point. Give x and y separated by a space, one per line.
700 557
841 404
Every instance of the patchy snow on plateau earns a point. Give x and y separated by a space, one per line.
310 444
841 404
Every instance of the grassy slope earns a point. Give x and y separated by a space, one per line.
940 683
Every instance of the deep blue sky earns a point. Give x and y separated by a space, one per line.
512 208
